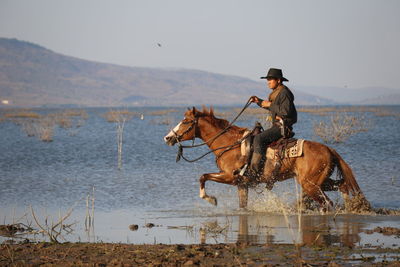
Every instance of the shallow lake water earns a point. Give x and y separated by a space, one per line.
150 187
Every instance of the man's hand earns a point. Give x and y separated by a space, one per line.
260 102
254 99
266 104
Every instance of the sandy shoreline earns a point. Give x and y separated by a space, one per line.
238 254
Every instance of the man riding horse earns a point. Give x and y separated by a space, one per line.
311 165
283 114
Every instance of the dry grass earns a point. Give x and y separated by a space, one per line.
29 127
42 126
323 111
63 121
387 113
340 127
214 230
69 118
76 113
54 230
46 129
22 114
163 120
119 115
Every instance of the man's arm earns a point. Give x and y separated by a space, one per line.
260 102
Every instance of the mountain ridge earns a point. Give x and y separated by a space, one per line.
32 75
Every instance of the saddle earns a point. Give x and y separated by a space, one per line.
285 147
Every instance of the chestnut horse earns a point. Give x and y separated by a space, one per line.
311 170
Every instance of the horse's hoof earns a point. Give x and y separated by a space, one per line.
269 186
212 200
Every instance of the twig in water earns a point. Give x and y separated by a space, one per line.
51 231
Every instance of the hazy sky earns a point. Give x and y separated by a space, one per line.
353 43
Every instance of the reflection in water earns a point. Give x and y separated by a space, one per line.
326 231
260 234
314 230
350 236
255 228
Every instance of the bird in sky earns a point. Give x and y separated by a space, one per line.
159 45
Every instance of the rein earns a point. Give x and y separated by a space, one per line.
227 148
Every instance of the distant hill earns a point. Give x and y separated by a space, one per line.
388 99
357 96
31 75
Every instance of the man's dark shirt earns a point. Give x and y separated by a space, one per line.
283 106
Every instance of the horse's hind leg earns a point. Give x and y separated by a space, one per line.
315 192
219 177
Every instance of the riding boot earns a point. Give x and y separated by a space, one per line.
255 166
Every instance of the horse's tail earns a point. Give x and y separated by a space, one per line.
358 203
344 171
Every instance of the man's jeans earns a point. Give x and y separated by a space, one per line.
262 140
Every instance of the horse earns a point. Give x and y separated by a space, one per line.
312 170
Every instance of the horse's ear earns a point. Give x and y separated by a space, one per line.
194 110
212 111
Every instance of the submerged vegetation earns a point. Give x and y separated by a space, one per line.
43 125
339 127
119 117
22 114
342 122
163 117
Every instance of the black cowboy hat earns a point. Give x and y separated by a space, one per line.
275 73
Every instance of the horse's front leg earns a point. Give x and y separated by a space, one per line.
219 177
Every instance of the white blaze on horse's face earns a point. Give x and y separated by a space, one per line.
170 138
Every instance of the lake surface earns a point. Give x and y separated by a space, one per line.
150 187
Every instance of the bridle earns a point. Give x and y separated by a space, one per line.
193 125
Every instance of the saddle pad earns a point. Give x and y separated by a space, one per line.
293 152
245 146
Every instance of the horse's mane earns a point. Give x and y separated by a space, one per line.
220 123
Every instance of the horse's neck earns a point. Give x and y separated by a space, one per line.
210 131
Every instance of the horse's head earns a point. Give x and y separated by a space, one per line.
185 130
